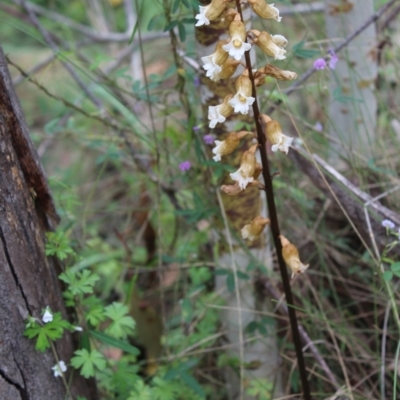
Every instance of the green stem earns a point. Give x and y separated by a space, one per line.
275 231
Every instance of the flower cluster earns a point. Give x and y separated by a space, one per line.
320 63
222 64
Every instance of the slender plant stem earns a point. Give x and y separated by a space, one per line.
275 231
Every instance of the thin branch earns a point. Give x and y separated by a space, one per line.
47 37
275 229
302 8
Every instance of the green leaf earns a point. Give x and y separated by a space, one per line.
124 346
141 392
193 384
242 275
175 6
156 22
182 32
171 26
388 276
57 244
299 51
80 282
395 268
230 282
88 361
51 331
122 325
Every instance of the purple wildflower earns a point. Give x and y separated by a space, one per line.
208 139
185 166
196 81
196 128
318 127
319 63
333 60
387 223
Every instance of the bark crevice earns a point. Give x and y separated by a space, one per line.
22 391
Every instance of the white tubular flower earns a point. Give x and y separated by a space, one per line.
264 10
242 99
221 112
210 12
237 32
254 229
59 368
229 145
267 44
278 140
279 40
213 62
47 316
244 175
291 256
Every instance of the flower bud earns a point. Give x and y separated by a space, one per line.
278 140
291 256
244 175
279 74
220 112
211 12
237 32
229 145
266 43
254 229
264 10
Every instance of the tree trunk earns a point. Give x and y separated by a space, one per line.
28 280
353 106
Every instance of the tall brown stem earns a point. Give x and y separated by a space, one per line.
275 231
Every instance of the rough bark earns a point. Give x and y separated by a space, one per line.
28 280
240 211
352 105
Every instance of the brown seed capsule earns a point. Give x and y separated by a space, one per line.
279 74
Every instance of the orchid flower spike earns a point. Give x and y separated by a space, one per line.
237 45
221 112
210 12
254 229
234 190
278 140
213 62
229 145
270 45
264 10
244 175
242 100
291 256
279 74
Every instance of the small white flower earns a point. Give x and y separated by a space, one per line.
283 145
211 67
241 103
279 40
242 180
216 149
59 368
47 316
387 223
215 116
78 329
236 47
246 234
201 17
